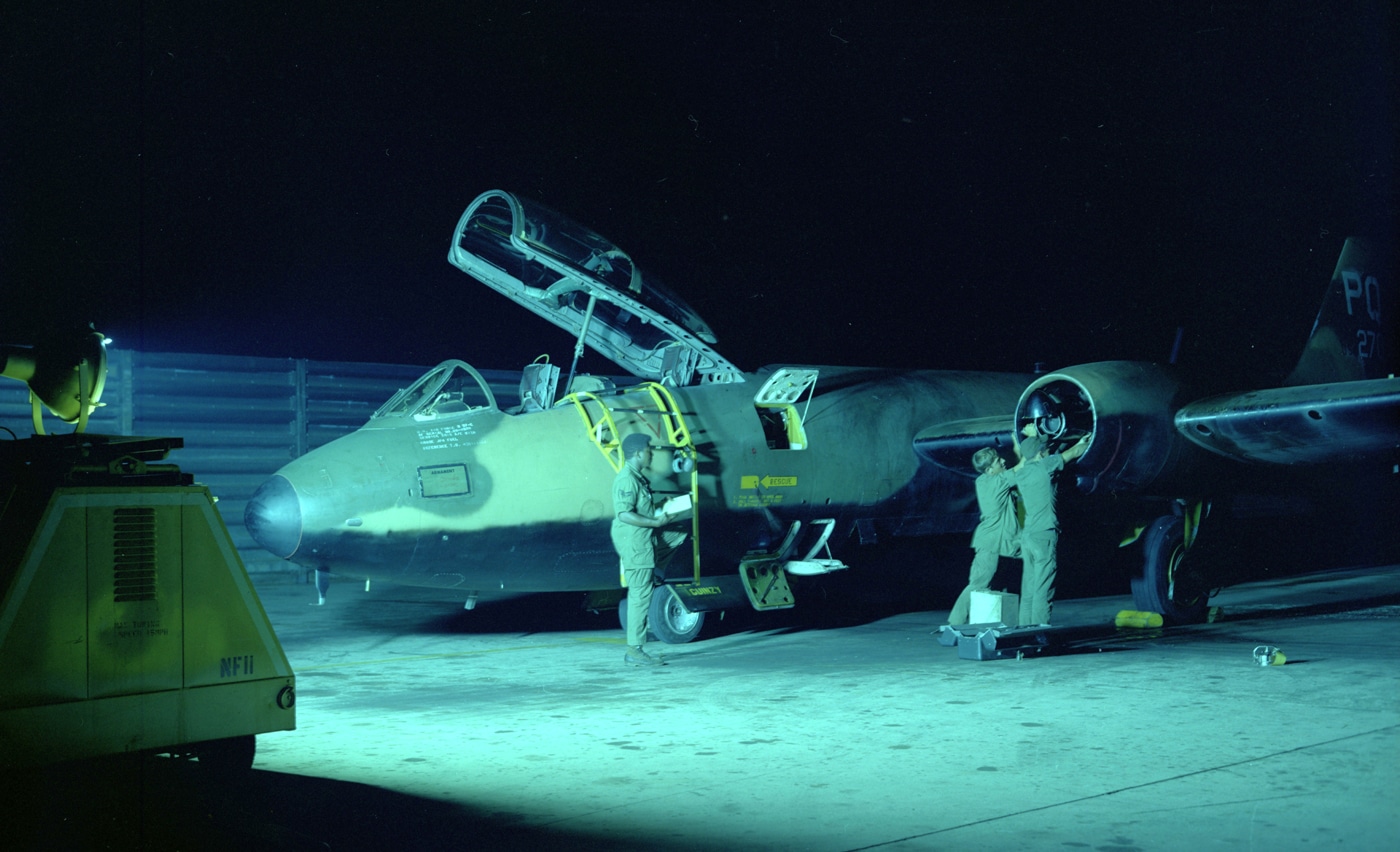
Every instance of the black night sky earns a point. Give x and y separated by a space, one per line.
934 185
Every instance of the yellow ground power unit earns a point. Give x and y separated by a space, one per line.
128 622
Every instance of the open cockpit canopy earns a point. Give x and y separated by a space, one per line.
587 286
451 388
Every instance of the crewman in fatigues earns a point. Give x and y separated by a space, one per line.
1035 481
640 542
998 533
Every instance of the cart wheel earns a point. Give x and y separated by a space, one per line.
226 757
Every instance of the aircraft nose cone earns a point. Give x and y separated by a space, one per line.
273 517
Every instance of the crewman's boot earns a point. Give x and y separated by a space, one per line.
637 657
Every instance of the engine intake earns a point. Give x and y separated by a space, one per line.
1127 407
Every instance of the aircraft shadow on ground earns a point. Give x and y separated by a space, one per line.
153 804
893 579
1356 604
818 608
901 580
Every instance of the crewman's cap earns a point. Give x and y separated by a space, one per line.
1031 447
634 443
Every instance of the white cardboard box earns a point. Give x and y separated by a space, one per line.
991 607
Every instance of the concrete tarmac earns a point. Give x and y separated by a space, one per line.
517 726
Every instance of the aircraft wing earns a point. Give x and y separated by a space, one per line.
1341 404
1298 425
1342 401
951 445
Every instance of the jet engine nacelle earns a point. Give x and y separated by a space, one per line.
1127 408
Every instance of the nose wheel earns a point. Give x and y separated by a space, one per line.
668 620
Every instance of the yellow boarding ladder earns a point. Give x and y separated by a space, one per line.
603 432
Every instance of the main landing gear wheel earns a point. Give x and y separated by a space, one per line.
1163 588
667 620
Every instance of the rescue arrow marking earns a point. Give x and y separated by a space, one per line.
750 482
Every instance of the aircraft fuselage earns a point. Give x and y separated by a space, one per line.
514 503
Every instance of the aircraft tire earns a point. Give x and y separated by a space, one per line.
667 621
1163 548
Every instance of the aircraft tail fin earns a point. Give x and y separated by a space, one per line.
1346 342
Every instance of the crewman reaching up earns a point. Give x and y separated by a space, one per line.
1035 477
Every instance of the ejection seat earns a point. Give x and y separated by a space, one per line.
539 382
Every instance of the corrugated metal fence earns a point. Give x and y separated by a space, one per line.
241 417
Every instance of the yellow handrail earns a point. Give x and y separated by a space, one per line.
612 447
603 433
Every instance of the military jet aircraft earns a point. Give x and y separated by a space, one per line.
788 467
